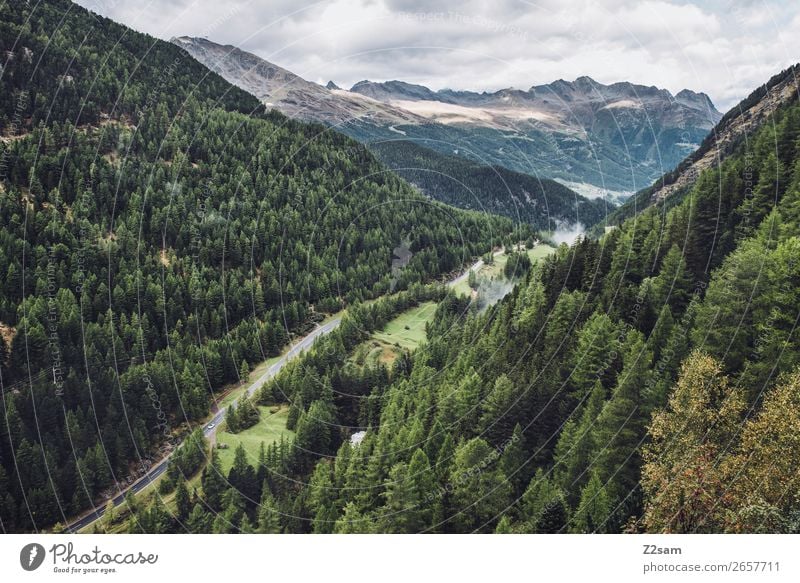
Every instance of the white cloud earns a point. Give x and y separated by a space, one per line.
723 47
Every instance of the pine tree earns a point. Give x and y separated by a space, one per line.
468 398
214 483
504 526
554 517
182 500
594 509
247 414
353 521
673 285
244 372
594 357
498 417
314 431
110 513
409 495
481 491
514 462
242 476
576 446
620 428
295 410
228 521
539 494
444 457
262 470
245 525
199 521
232 419
268 516
322 498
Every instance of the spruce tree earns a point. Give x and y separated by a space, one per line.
232 419
498 417
242 476
268 516
322 498
244 372
514 462
480 489
576 448
182 500
214 483
620 428
594 510
553 519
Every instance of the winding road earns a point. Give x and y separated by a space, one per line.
210 428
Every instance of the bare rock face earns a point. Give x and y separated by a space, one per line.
287 92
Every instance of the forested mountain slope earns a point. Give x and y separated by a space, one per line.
615 137
541 202
425 155
646 381
160 232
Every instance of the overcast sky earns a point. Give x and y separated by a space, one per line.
722 47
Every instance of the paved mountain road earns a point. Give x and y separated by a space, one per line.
210 429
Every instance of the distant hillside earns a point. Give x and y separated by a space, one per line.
544 203
376 123
616 137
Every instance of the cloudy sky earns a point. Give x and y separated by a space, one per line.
723 47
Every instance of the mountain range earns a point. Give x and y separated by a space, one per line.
597 139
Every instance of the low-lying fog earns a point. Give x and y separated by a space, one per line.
568 233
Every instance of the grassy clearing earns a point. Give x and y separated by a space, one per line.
268 429
408 329
405 332
540 252
372 352
462 287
